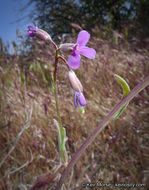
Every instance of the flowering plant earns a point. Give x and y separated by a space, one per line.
73 63
75 50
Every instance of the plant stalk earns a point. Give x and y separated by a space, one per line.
55 91
101 126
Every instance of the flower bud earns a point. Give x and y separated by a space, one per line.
43 35
74 81
39 33
67 47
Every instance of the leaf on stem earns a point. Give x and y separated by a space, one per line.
126 91
62 138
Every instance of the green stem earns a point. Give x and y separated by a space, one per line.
57 107
55 91
61 130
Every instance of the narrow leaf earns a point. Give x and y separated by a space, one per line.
124 85
126 91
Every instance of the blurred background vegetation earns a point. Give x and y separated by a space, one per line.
56 16
28 136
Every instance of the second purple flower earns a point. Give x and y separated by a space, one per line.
79 99
81 49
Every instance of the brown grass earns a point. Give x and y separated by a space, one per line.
118 155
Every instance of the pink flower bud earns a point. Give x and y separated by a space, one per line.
39 33
67 47
43 35
74 81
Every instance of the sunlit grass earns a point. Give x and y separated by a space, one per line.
119 154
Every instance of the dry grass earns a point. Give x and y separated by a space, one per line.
118 155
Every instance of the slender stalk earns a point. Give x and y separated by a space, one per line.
57 107
101 126
55 90
55 46
64 60
56 63
61 130
57 56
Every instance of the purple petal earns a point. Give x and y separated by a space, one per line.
75 99
82 100
30 33
87 52
83 38
74 61
32 30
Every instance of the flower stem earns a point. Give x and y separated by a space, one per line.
101 126
56 63
55 90
64 60
61 130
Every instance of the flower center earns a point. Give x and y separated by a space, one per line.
77 47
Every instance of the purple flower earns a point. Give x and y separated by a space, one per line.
77 87
32 30
79 99
81 49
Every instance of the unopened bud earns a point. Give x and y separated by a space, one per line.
43 35
74 81
39 33
67 47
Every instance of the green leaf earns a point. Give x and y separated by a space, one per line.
124 85
126 91
120 112
63 139
63 148
61 143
